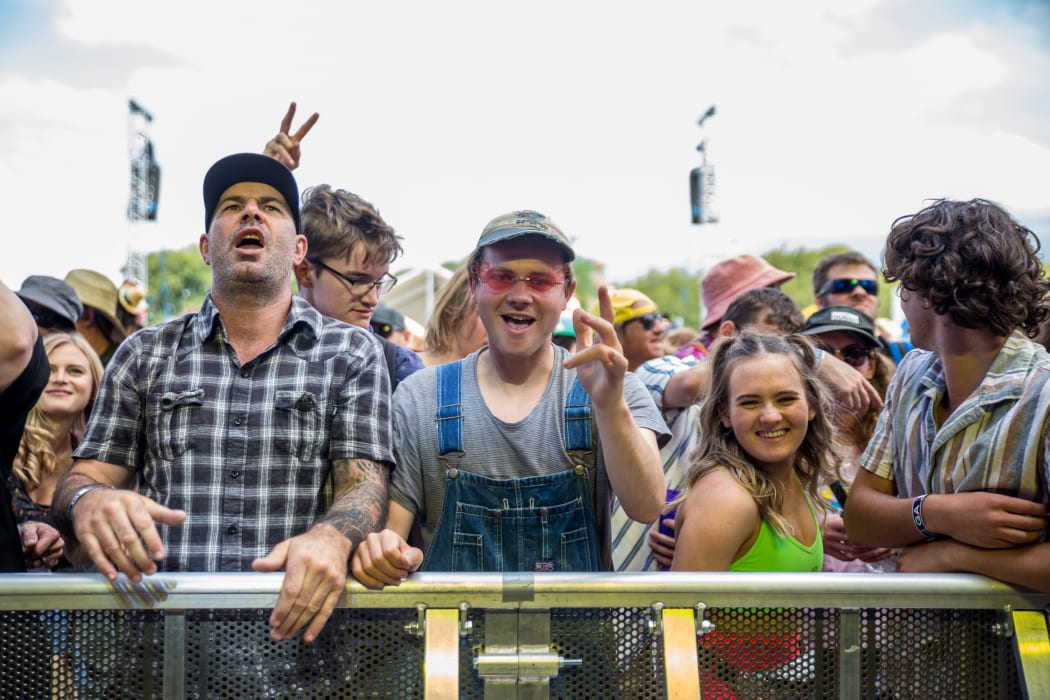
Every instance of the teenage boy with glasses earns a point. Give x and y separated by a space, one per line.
349 251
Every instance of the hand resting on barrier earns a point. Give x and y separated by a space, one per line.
385 559
114 525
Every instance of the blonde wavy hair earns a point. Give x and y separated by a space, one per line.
816 461
453 306
36 457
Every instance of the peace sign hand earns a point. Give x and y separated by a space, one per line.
284 147
599 364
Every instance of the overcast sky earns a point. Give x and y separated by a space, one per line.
833 118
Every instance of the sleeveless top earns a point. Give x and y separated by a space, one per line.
772 552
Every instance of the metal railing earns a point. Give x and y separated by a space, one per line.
524 635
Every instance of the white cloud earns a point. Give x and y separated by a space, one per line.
831 120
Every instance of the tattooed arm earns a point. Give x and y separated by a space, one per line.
315 562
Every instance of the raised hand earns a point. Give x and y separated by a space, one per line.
600 364
285 145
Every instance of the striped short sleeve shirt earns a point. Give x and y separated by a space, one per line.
996 440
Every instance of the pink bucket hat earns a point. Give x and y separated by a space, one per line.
732 277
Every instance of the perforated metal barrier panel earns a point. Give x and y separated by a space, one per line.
568 639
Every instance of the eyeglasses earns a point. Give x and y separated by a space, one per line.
500 281
360 286
647 320
46 318
845 286
854 355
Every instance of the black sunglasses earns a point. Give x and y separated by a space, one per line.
647 320
46 318
854 355
845 286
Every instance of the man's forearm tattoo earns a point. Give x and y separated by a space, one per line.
361 498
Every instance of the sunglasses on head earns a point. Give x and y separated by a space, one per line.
46 318
647 320
845 286
854 355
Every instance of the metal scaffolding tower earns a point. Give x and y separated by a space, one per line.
145 182
702 182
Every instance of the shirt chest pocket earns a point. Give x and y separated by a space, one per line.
299 428
172 417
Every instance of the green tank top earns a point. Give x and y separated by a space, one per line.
771 552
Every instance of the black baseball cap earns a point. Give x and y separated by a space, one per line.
249 167
383 315
841 318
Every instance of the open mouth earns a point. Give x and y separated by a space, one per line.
772 434
249 239
518 322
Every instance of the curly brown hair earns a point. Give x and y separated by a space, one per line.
972 261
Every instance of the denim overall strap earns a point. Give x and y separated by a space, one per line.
577 419
449 415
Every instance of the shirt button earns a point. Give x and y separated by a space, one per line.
244 373
232 530
237 421
234 474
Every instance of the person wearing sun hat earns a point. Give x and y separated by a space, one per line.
639 326
132 305
723 283
251 435
526 423
99 322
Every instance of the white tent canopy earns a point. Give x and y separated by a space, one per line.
415 292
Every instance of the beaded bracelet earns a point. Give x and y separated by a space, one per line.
916 517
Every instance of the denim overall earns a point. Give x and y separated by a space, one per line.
537 523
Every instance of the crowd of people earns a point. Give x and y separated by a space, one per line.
295 429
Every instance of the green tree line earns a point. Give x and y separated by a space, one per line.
179 279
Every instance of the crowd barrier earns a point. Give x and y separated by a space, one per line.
493 636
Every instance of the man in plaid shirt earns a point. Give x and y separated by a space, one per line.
254 434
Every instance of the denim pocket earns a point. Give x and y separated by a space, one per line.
468 553
577 551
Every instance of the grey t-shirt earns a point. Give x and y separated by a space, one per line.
494 448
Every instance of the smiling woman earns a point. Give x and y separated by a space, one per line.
753 484
53 427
